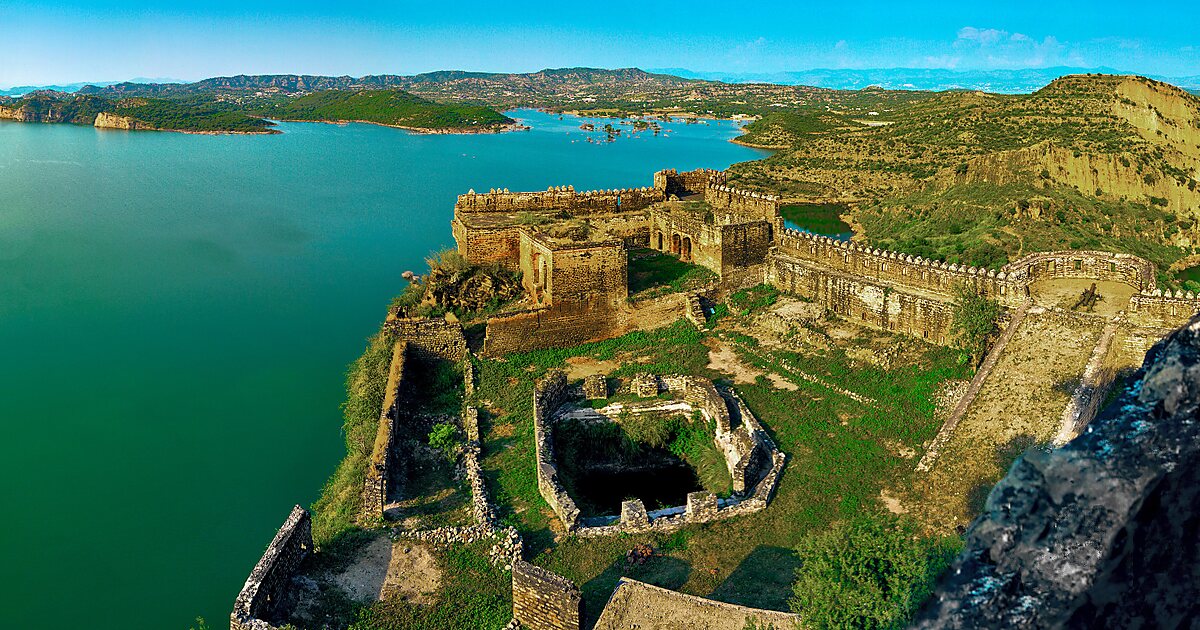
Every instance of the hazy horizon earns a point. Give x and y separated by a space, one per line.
115 40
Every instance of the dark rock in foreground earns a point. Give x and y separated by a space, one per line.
1102 533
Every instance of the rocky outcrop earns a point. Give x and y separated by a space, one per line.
1102 532
105 120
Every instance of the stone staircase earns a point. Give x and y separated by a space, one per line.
968 396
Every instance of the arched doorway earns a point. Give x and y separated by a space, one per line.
675 246
685 254
658 241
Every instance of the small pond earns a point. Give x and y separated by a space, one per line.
817 218
1191 273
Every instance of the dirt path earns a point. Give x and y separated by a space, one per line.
1017 406
383 569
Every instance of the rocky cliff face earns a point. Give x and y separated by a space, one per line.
1102 533
105 120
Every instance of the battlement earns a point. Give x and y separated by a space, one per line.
672 182
560 198
754 205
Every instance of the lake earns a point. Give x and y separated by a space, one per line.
176 315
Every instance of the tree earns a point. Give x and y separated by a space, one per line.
974 323
870 573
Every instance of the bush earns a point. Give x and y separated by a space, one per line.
975 317
444 437
870 573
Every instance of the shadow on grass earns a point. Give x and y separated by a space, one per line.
762 580
662 571
1005 456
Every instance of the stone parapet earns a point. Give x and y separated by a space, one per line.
268 582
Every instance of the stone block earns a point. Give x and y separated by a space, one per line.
595 387
701 506
633 515
645 385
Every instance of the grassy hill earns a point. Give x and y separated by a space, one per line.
1087 161
195 113
387 107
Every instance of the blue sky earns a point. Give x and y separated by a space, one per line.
68 41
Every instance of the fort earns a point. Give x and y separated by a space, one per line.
576 254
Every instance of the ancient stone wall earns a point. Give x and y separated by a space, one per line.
543 600
635 604
929 276
268 582
750 205
1089 265
1163 308
672 182
488 245
561 198
376 486
430 338
548 395
919 314
683 233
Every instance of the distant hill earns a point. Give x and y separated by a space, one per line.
387 107
1021 81
1087 162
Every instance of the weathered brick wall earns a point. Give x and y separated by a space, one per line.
751 205
265 588
1089 265
543 600
487 245
925 315
672 182
548 395
559 326
430 338
898 269
597 273
560 198
379 469
676 225
1163 308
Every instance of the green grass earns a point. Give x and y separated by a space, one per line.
818 218
841 454
653 273
336 511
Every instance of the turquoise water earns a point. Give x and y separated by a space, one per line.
176 314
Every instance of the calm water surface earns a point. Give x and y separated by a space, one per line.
176 315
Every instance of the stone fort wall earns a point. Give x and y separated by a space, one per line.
561 198
543 600
377 483
269 581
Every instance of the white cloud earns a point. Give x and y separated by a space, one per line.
981 36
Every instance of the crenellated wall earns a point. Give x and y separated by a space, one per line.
746 203
268 582
563 198
1163 308
672 182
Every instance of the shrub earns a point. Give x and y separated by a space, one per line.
870 573
444 437
975 317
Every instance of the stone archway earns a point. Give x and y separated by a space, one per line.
685 252
658 239
675 244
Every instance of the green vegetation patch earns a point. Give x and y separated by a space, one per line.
653 273
818 218
387 107
841 452
196 113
